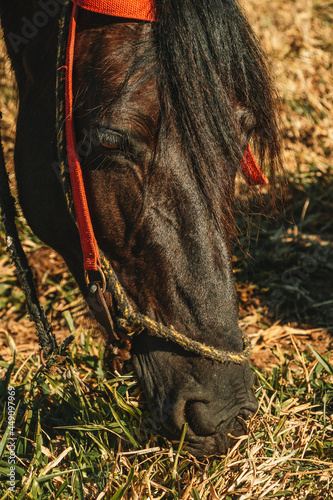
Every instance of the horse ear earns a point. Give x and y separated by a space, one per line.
251 170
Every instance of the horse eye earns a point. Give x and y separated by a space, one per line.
112 140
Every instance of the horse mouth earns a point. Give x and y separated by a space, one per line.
216 444
203 442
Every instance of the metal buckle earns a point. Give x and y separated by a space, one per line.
93 277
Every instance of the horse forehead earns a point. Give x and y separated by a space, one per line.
105 56
109 41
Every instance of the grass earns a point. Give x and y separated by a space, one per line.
83 433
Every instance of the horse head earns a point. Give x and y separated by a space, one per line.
160 189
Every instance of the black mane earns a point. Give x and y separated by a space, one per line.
209 59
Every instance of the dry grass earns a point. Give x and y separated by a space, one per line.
83 434
298 38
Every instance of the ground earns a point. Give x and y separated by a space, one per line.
283 262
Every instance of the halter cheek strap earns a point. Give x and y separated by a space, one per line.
89 245
134 9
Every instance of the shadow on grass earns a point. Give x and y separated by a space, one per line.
289 257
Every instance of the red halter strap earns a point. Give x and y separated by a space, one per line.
251 170
131 9
89 246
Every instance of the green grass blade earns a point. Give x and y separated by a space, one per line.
328 367
120 493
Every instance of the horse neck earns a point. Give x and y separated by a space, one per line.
28 29
12 13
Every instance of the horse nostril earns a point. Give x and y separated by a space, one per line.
195 413
246 413
204 419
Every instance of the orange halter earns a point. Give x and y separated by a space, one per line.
131 9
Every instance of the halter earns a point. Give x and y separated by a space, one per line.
100 274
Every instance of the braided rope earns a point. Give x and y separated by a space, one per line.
134 323
126 318
46 337
60 106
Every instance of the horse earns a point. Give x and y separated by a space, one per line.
163 110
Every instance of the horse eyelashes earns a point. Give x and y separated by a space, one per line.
114 142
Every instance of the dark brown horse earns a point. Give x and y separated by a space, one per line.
164 112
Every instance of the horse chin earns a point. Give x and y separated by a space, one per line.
214 400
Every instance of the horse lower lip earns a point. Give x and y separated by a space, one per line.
218 443
208 446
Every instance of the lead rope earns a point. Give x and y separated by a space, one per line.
36 313
126 319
